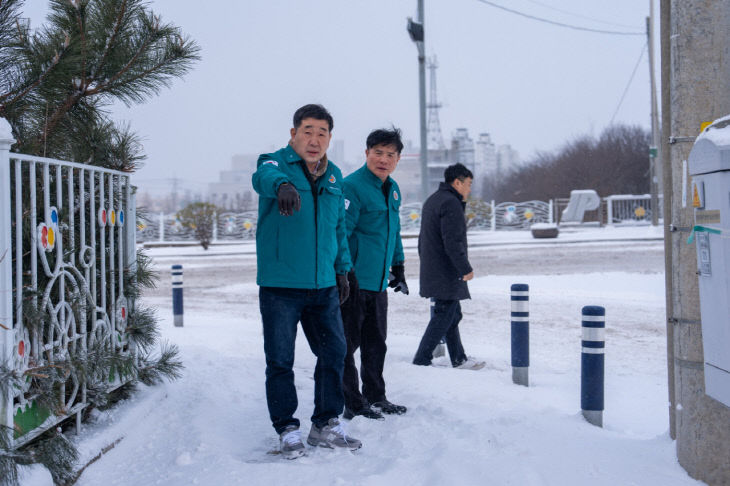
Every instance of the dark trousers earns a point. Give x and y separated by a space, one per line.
319 312
444 323
365 316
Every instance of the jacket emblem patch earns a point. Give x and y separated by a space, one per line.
332 179
395 195
272 162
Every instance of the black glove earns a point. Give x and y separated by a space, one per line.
289 200
343 287
397 280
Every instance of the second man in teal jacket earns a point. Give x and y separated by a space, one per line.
372 208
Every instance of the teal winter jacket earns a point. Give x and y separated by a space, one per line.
373 227
304 250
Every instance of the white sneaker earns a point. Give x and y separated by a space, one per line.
471 364
332 435
290 443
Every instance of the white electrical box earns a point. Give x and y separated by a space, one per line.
709 166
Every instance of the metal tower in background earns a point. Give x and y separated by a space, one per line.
435 139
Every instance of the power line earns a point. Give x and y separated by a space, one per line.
629 84
559 24
580 16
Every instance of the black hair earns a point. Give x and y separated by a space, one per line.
457 171
384 136
318 112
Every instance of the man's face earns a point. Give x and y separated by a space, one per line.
463 187
311 139
382 159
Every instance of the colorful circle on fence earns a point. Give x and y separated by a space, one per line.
120 219
640 212
21 348
248 225
413 216
52 217
46 237
122 309
102 217
529 214
112 217
510 214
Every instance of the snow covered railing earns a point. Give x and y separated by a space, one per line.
511 215
630 209
241 226
228 226
67 235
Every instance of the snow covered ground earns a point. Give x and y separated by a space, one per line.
463 427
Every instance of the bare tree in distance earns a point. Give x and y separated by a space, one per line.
617 162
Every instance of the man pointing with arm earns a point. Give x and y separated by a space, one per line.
302 261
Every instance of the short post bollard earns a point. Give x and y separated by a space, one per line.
592 363
520 323
177 294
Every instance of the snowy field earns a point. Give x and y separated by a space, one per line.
462 427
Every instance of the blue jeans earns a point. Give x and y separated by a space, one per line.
444 323
319 312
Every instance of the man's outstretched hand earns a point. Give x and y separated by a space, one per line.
289 200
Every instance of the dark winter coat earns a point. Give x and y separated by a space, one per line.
306 249
373 227
442 246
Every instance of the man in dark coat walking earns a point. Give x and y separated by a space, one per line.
445 267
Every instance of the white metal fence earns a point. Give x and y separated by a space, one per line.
631 209
68 233
617 209
228 226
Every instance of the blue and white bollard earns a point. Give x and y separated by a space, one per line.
520 319
177 294
592 363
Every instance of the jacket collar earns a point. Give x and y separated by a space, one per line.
448 188
373 179
291 157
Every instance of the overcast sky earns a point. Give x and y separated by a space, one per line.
529 84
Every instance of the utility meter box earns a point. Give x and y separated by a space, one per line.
709 166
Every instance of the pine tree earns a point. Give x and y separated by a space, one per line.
56 84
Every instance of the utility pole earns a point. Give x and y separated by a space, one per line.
695 89
654 159
417 33
174 193
667 185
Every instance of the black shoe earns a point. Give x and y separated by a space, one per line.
366 412
390 408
